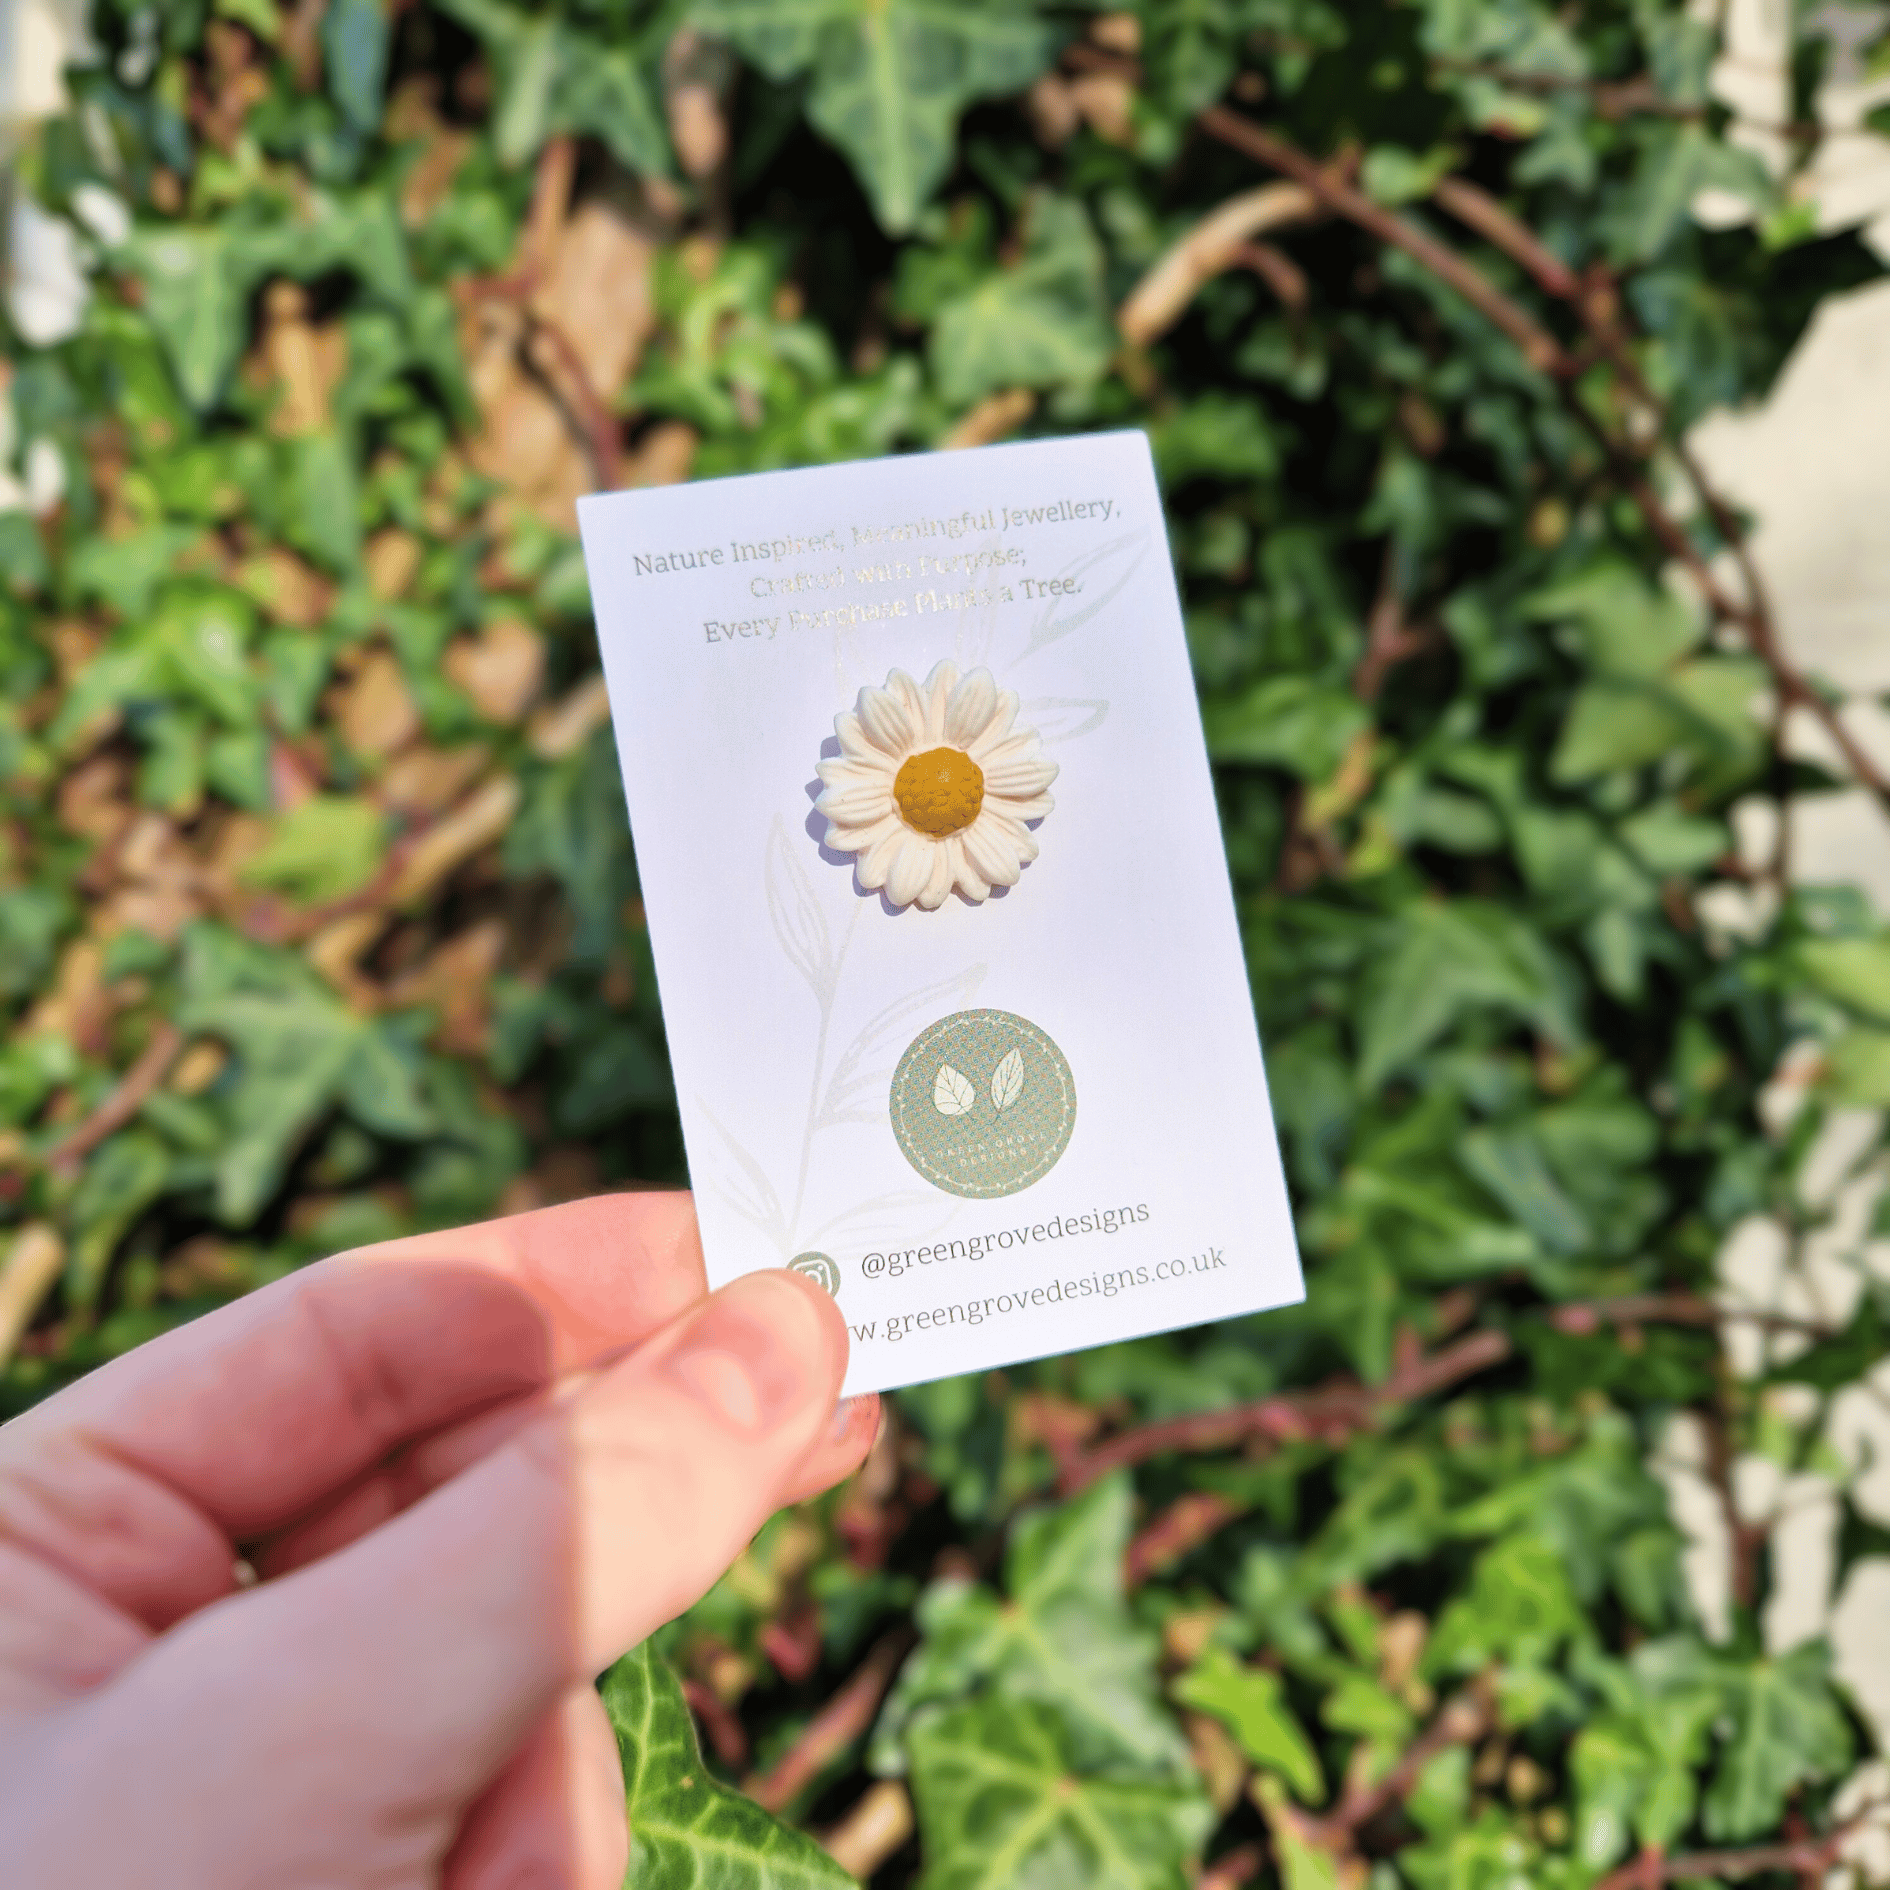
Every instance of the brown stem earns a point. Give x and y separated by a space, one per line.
1582 1317
1539 347
1545 352
1389 640
719 1720
833 1729
1598 313
544 223
1598 309
1465 1718
1277 270
1237 1868
1470 204
594 418
1330 1412
1184 1525
126 1099
1081 58
1744 1540
1613 98
1221 240
1619 98
1807 1854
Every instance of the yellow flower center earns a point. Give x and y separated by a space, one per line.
940 791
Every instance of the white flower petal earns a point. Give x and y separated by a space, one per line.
1017 836
1009 805
999 726
938 691
1023 746
880 847
855 744
968 712
939 881
845 771
1021 775
911 868
886 715
969 881
853 806
912 699
854 836
990 849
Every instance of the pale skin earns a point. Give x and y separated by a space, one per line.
470 1469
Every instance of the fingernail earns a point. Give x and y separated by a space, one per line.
741 1356
844 1414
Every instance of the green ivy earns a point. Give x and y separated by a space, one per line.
313 838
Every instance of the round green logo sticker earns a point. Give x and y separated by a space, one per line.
983 1104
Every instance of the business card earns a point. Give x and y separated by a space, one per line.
941 917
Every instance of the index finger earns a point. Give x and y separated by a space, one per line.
255 1412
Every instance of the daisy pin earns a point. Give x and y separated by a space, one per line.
933 787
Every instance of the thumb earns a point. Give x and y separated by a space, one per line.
377 1691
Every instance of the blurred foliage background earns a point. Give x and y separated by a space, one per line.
319 919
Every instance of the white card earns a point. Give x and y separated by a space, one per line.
998 1121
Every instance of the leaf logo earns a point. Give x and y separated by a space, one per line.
952 1094
1007 1079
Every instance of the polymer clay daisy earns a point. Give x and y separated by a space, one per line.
932 786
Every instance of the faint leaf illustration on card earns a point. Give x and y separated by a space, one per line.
1064 718
749 1192
857 1091
799 923
1102 574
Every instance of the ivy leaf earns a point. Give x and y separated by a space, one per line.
323 848
555 78
197 277
1292 722
1519 1608
1064 1637
1219 438
1789 1730
1635 1764
1855 971
293 1050
1647 694
571 826
324 498
1248 1702
126 571
194 298
119 1183
298 1052
686 1829
1624 626
1003 1800
1451 961
1042 322
354 53
890 77
1676 164
1393 1512
1625 722
1857 1069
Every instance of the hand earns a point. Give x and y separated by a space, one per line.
470 1470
